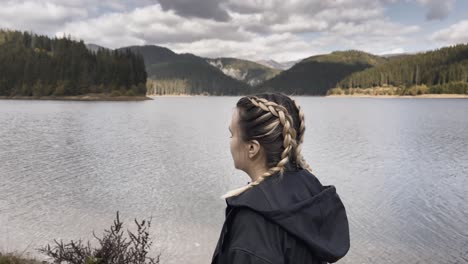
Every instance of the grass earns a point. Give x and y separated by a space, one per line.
12 258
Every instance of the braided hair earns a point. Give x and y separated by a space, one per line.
277 122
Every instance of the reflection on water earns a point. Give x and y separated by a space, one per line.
400 166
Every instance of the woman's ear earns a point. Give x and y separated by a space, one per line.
254 148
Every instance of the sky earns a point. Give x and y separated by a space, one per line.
255 29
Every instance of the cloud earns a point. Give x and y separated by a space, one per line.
438 9
277 36
274 16
454 34
255 29
281 47
150 25
392 51
38 16
376 27
47 17
208 9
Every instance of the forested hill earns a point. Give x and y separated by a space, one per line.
154 54
317 74
247 71
443 70
172 73
34 65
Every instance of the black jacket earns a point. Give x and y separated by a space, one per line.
292 219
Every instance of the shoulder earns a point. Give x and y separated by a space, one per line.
246 220
251 233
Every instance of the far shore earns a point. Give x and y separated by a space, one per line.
85 97
104 97
172 95
444 96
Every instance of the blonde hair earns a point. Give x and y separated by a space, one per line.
300 159
262 113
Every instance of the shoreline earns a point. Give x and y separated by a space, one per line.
171 95
85 97
101 97
427 96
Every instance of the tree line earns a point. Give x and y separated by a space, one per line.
36 65
444 70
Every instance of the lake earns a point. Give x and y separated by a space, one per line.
399 165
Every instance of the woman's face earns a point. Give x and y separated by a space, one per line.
239 149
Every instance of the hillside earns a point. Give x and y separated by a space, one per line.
172 73
317 74
277 65
154 54
247 71
443 70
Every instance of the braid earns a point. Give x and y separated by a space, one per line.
289 141
289 134
299 156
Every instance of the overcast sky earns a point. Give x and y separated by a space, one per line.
254 29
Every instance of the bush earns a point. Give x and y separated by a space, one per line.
113 248
336 90
134 88
59 89
115 93
130 93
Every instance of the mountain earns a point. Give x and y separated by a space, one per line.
172 73
278 65
289 64
247 71
154 54
393 55
444 70
317 74
94 48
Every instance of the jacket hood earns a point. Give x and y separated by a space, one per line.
305 208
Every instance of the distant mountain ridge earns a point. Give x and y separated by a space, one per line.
153 54
247 71
278 65
93 47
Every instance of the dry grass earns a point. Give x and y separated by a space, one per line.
12 258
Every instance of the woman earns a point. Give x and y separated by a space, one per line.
284 214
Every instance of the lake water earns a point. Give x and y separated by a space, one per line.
399 165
